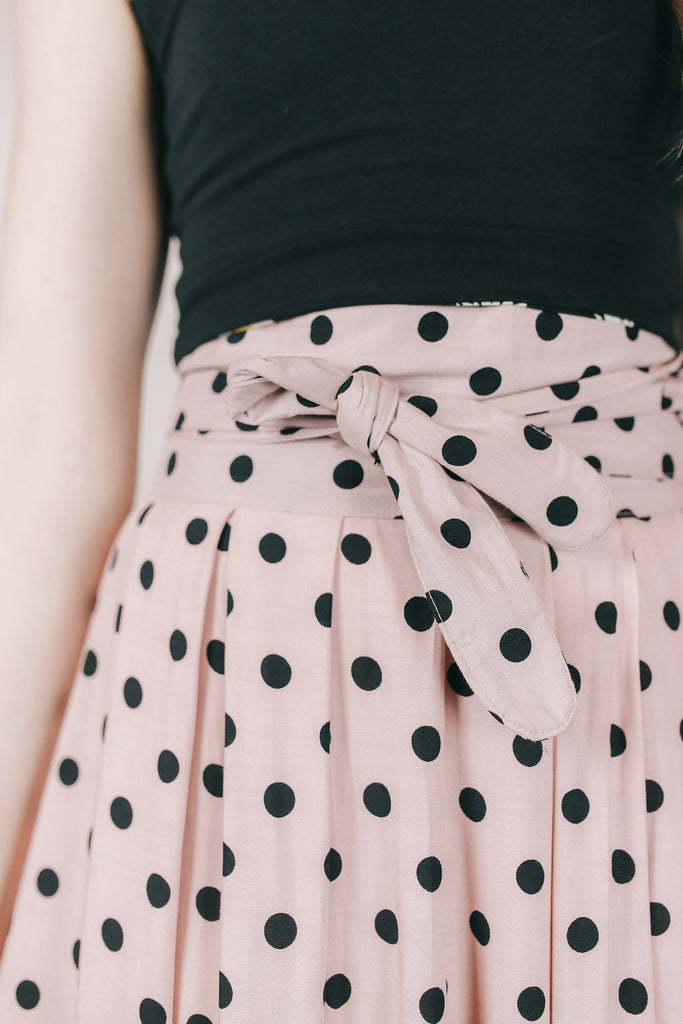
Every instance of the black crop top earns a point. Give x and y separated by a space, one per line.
316 155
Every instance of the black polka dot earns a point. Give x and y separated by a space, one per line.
177 645
458 450
366 672
606 616
593 461
548 325
441 604
632 995
419 613
562 511
47 882
90 664
537 437
323 609
531 1003
121 812
575 806
386 926
424 403
432 326
552 554
429 873
208 903
565 391
196 530
241 468
480 928
394 485
198 1018
132 692
228 860
212 778
582 934
623 866
348 474
617 740
356 548
426 742
432 1005
527 752
278 799
224 539
276 671
485 381
68 771
645 675
158 890
167 766
667 465
575 677
152 1012
336 991
272 547
586 412
219 382
660 918
625 422
147 574
472 803
377 799
344 386
332 865
515 644
27 994
456 532
672 615
215 655
280 930
654 795
224 991
457 681
112 934
230 730
321 329
530 876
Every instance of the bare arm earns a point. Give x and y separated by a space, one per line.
82 254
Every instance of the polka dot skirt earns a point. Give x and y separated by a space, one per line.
379 714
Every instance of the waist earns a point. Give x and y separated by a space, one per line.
608 392
439 262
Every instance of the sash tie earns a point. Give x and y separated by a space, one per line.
439 462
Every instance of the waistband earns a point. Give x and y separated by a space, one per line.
451 418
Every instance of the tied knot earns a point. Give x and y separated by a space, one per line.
366 407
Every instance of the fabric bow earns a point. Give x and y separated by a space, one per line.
475 586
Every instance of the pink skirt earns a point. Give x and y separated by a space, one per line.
379 715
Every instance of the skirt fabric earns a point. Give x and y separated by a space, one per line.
379 716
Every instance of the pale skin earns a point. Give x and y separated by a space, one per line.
82 253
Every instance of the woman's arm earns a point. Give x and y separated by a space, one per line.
82 254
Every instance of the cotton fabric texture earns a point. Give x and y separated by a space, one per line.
379 715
